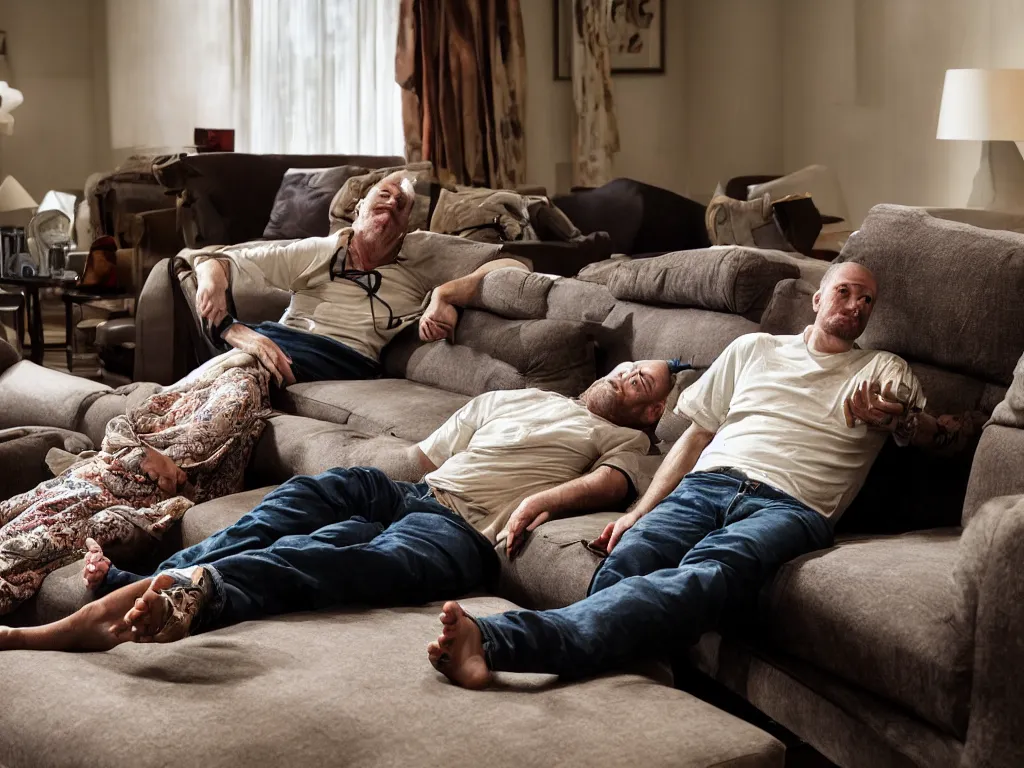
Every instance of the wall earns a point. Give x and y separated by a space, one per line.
715 112
863 83
169 71
56 55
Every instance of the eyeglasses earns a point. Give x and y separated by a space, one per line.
369 280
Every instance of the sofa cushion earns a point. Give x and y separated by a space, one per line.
303 202
572 299
484 215
790 308
226 197
555 566
494 353
997 470
641 332
205 519
950 293
37 396
1010 411
878 612
294 445
513 293
394 407
425 183
735 280
346 687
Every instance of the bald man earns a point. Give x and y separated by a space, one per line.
785 429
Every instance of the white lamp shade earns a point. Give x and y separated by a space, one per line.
982 105
10 98
13 196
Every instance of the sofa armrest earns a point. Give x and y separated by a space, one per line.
992 587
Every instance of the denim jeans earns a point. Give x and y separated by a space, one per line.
318 358
705 550
344 536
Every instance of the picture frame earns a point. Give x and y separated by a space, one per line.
637 32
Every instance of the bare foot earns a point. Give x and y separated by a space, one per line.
165 612
93 627
96 564
458 653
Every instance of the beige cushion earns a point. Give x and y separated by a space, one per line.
878 612
493 353
733 279
513 293
343 206
35 396
394 407
346 687
790 310
672 425
949 292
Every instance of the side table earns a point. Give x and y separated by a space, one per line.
31 287
78 295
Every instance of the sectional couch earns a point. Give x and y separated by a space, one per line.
899 646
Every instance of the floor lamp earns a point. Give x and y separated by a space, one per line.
987 105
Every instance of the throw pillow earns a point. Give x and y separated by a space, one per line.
949 292
735 280
303 202
425 182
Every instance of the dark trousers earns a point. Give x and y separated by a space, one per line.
344 536
318 358
705 550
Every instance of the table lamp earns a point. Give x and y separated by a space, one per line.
987 105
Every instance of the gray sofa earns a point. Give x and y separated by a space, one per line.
889 649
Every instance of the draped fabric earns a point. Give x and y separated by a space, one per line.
462 68
596 138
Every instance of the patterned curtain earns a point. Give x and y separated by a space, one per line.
462 68
596 138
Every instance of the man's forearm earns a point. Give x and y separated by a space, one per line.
215 270
603 488
460 291
677 464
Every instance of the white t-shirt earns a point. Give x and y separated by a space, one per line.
776 408
504 446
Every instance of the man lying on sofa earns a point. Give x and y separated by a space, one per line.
785 429
508 458
353 291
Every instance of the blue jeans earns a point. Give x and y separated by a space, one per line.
318 358
344 536
705 550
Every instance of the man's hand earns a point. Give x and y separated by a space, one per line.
271 356
530 513
613 531
439 320
212 294
880 410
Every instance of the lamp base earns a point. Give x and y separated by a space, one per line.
999 182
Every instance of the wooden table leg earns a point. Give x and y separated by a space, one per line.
69 333
38 341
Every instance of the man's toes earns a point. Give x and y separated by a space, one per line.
162 581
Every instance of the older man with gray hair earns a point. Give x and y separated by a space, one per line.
352 292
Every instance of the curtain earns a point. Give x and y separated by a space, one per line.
596 138
462 68
316 77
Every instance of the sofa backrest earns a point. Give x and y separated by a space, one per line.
226 197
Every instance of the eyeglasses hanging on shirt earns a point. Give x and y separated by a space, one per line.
367 279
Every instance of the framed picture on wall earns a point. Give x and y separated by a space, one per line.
636 32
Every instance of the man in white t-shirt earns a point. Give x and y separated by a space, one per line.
506 461
784 430
352 292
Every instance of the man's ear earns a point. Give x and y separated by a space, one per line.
816 300
654 412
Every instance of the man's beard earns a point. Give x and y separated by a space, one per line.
381 239
840 327
600 399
